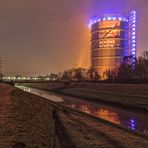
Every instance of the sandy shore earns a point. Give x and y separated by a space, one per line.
34 122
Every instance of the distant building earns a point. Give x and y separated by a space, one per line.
113 38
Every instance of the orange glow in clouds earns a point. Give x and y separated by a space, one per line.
84 54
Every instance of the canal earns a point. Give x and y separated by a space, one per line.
130 119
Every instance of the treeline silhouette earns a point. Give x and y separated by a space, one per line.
126 73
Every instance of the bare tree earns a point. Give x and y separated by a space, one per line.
93 74
125 71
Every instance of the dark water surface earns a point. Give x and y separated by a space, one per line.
129 119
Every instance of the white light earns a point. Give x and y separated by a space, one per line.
134 18
133 37
134 45
134 41
134 25
114 18
133 33
133 12
134 29
133 49
124 19
120 18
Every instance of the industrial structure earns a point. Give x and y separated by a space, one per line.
113 39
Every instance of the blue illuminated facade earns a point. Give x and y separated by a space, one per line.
113 37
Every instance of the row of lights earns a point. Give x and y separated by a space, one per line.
16 78
133 33
107 18
26 78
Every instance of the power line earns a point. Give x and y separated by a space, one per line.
1 73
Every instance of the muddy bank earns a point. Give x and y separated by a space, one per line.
38 123
24 119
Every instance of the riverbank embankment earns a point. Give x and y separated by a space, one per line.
130 96
32 121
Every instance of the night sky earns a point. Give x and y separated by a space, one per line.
44 36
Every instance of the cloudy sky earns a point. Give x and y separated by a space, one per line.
43 36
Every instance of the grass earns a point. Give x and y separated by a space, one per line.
131 96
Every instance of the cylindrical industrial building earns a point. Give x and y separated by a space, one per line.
111 41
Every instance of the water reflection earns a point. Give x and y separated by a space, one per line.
132 124
108 115
26 89
98 112
42 93
130 119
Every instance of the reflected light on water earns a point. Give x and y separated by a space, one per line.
132 120
132 124
27 89
108 115
101 113
41 93
85 108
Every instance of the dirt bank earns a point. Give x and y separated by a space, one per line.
34 122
